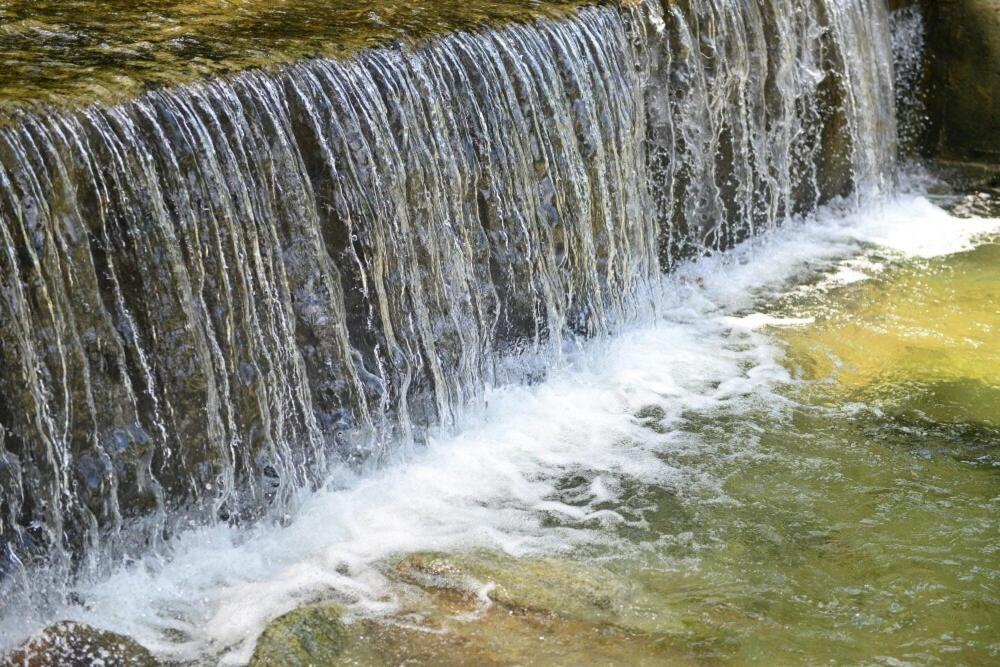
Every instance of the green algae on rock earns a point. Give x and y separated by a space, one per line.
312 635
67 643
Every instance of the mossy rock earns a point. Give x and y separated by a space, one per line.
651 412
311 636
69 644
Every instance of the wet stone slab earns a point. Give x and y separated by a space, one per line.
71 52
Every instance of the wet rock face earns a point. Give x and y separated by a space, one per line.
964 40
69 644
209 292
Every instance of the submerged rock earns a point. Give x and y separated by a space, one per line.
545 585
918 343
68 644
552 586
501 637
312 635
533 611
485 608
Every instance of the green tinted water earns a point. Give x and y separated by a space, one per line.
79 51
854 524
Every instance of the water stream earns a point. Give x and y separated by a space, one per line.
704 467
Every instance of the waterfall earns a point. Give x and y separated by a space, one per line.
909 46
213 293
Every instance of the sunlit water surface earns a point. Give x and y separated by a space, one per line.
793 462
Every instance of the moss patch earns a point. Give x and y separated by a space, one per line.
312 635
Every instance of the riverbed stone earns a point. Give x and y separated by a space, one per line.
538 584
914 342
499 636
550 585
309 636
70 644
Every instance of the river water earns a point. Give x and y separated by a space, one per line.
790 458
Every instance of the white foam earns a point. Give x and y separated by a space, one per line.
914 227
755 321
493 481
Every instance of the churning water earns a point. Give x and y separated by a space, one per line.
550 468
